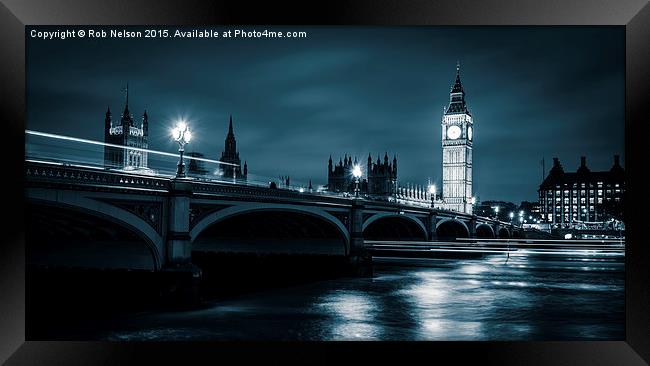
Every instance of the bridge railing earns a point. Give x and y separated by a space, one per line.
59 154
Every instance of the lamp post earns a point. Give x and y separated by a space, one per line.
182 135
432 192
496 211
512 215
356 172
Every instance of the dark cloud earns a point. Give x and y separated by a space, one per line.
535 92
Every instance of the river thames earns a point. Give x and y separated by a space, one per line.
521 297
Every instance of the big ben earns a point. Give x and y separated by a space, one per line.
457 138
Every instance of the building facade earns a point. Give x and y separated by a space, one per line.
196 167
380 180
230 155
128 133
582 196
382 176
457 138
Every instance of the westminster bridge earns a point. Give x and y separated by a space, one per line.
172 217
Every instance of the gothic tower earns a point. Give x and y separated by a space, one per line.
127 134
457 151
231 155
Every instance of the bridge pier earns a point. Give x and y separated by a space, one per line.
472 227
180 278
359 258
431 227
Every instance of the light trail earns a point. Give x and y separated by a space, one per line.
92 142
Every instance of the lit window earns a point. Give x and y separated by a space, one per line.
600 200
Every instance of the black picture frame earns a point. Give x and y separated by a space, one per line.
634 15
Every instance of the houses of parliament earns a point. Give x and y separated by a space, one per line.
128 141
457 140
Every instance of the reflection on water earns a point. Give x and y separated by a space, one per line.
525 298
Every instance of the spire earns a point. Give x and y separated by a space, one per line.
145 122
230 132
107 120
457 96
126 114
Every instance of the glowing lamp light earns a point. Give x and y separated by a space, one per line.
432 189
512 214
176 133
301 190
182 135
356 171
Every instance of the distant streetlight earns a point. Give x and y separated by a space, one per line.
512 214
182 135
356 172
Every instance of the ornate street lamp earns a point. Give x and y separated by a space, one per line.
182 135
432 192
356 173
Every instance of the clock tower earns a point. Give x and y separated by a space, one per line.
457 141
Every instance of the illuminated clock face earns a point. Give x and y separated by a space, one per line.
453 132
469 132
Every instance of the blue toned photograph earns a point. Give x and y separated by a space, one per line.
325 183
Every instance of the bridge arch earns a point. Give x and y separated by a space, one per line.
239 210
484 231
503 233
395 224
103 213
451 229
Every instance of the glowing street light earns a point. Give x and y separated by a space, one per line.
432 192
356 173
512 214
182 135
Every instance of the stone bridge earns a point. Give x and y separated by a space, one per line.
88 212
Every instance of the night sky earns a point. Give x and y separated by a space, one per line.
534 92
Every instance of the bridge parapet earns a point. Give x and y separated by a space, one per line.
72 175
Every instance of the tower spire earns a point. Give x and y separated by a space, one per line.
230 127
